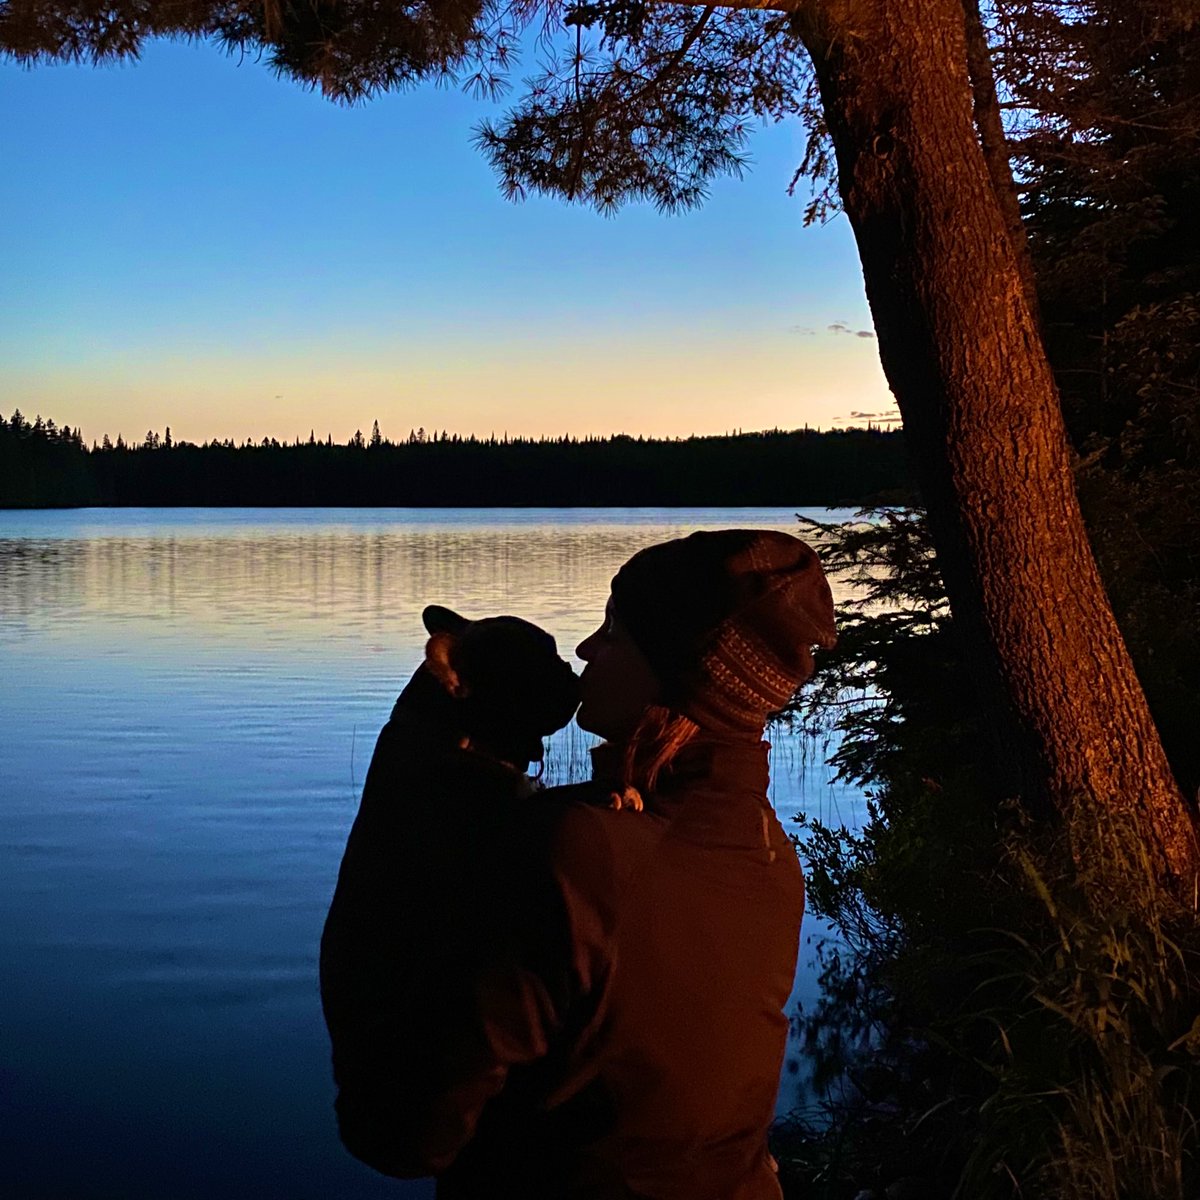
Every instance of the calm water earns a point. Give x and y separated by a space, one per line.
188 703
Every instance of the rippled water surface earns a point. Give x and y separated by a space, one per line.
188 703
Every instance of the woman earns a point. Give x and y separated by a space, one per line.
624 1033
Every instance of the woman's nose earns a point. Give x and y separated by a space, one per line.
584 649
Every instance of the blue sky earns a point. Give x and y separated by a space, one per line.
188 241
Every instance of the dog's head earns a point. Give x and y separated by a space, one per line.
505 675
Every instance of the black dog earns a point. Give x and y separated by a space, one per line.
441 819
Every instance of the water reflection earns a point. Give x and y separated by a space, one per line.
189 701
300 582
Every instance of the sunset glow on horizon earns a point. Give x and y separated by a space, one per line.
192 243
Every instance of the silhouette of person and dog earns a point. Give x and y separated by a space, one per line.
579 991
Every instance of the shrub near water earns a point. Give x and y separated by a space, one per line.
1010 1009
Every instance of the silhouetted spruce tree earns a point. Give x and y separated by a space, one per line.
43 466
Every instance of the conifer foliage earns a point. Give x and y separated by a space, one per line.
631 100
350 49
42 465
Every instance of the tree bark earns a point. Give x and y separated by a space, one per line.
994 144
961 351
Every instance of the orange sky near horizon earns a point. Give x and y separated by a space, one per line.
574 386
191 243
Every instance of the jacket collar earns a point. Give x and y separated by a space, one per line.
716 763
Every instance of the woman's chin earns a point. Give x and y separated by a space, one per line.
612 727
601 723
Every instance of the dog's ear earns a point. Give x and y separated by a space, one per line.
437 658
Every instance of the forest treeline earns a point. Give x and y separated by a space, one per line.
45 466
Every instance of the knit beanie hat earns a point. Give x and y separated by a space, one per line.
727 619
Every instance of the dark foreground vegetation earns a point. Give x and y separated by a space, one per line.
42 466
1013 1010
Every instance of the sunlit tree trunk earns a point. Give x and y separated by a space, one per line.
962 353
994 144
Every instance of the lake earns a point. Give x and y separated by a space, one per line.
189 699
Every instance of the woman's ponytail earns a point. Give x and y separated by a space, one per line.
658 737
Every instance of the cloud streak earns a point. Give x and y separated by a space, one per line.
836 327
889 417
842 327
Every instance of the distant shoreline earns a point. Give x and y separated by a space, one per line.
43 467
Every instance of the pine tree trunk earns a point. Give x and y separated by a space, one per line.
962 354
994 144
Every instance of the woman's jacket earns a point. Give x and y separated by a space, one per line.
545 997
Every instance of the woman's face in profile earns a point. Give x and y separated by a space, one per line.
617 685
